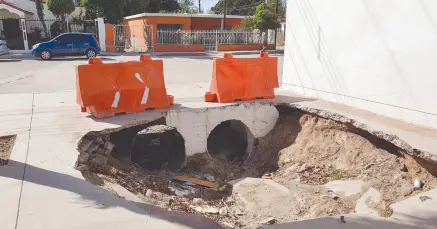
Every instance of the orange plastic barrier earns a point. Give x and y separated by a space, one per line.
106 89
236 79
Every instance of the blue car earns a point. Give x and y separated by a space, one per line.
68 44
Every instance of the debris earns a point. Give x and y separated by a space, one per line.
404 168
417 184
209 178
370 165
223 211
221 188
228 225
179 192
207 209
342 219
424 198
198 201
267 175
332 195
149 193
303 168
187 184
238 213
197 181
270 220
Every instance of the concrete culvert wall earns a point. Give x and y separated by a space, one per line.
158 145
229 140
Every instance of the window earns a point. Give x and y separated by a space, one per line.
169 26
66 38
80 38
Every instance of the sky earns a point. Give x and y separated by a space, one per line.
205 4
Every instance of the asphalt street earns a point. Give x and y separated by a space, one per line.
29 75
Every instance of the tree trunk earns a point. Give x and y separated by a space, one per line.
39 8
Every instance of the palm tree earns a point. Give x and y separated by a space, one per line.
39 8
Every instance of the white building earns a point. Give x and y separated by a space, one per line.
377 55
22 15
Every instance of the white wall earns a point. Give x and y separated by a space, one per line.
377 55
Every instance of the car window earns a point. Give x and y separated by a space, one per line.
80 38
66 38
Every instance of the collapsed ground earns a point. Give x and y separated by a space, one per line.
295 172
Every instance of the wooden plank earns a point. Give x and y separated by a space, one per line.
197 181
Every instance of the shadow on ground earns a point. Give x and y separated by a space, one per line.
101 197
358 222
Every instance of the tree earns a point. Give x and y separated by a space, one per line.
39 9
110 10
263 19
156 6
135 7
245 7
186 5
60 8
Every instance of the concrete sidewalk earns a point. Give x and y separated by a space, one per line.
41 189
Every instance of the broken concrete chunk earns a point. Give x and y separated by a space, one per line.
370 198
345 187
198 201
223 211
417 184
149 193
207 209
270 220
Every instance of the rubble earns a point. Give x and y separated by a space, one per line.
223 211
149 193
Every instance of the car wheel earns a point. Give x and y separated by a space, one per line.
91 53
45 55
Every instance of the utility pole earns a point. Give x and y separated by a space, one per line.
224 17
277 10
199 8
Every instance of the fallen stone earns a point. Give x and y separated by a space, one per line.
149 193
270 220
223 211
345 187
369 198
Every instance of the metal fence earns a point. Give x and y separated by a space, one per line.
211 38
133 38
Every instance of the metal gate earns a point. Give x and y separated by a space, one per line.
133 38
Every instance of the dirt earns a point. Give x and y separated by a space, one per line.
6 145
301 154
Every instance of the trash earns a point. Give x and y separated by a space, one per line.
270 220
180 192
417 184
332 195
197 181
221 188
223 211
187 184
198 201
149 193
424 198
209 178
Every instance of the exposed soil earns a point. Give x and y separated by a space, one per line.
294 161
6 145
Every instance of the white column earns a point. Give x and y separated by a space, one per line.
24 31
102 33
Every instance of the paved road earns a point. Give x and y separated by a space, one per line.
36 76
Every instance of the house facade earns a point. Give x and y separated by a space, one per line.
20 25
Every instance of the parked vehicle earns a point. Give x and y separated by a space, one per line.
68 44
3 47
